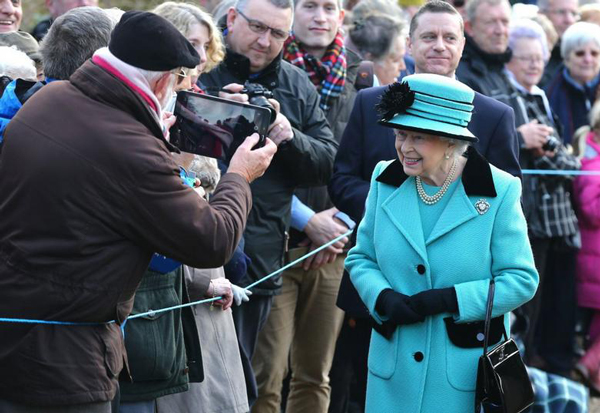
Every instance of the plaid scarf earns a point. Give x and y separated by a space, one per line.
327 74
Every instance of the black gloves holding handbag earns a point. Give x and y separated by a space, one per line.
402 309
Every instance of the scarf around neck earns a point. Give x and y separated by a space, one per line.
132 78
328 74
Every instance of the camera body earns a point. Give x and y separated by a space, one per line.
552 144
258 95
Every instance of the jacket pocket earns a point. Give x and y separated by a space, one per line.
151 341
383 355
461 366
113 355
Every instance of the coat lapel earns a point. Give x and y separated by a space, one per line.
458 211
402 209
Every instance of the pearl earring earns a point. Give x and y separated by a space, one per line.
447 156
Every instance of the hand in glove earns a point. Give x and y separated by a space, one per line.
397 307
432 302
240 294
221 287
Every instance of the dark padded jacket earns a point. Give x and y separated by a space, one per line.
306 160
484 72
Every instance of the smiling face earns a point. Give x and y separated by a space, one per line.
423 155
583 63
260 48
316 23
10 15
489 29
527 62
437 43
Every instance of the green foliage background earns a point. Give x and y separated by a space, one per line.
35 10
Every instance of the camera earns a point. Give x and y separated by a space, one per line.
552 144
258 95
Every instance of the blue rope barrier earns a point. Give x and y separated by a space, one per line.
151 313
555 172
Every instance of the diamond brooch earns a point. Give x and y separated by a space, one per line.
482 206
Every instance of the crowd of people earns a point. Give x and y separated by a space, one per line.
439 144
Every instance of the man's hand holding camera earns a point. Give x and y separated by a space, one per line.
249 163
281 130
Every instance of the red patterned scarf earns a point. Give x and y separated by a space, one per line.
327 74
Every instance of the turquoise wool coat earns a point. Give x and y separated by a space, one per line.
418 370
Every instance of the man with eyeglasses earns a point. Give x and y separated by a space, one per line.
562 14
486 49
309 291
255 32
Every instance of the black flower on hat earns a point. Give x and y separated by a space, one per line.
396 99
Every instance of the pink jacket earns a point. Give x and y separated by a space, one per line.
587 195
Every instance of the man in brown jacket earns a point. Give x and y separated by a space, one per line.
88 191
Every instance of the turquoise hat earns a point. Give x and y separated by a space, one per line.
433 104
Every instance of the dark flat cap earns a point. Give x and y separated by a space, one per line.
150 42
24 42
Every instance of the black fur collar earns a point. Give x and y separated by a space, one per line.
477 175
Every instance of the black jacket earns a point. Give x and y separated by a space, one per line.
484 72
306 160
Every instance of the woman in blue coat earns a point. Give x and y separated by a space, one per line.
440 222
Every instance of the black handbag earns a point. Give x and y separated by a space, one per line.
503 385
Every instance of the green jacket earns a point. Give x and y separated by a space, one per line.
163 349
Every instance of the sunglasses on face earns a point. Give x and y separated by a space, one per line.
581 53
260 28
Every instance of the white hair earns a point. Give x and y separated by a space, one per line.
460 146
578 35
528 29
16 64
150 75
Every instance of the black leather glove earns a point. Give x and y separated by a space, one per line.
432 302
396 306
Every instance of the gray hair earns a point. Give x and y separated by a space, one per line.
73 38
375 35
528 29
460 146
473 5
280 4
16 64
578 35
387 8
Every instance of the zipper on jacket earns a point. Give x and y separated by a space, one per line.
286 242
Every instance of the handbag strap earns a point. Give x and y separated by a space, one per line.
488 317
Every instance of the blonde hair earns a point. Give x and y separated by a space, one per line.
580 134
183 16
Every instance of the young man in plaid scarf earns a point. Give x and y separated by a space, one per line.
304 321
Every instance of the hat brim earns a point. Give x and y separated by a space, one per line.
429 126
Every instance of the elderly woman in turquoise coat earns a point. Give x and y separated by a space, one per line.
439 224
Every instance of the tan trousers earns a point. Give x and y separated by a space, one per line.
304 324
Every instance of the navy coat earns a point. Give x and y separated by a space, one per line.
365 143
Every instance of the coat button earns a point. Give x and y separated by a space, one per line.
421 269
418 356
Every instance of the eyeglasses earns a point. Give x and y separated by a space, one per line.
564 13
181 72
530 59
581 53
260 28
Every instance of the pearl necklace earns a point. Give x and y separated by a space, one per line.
430 200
